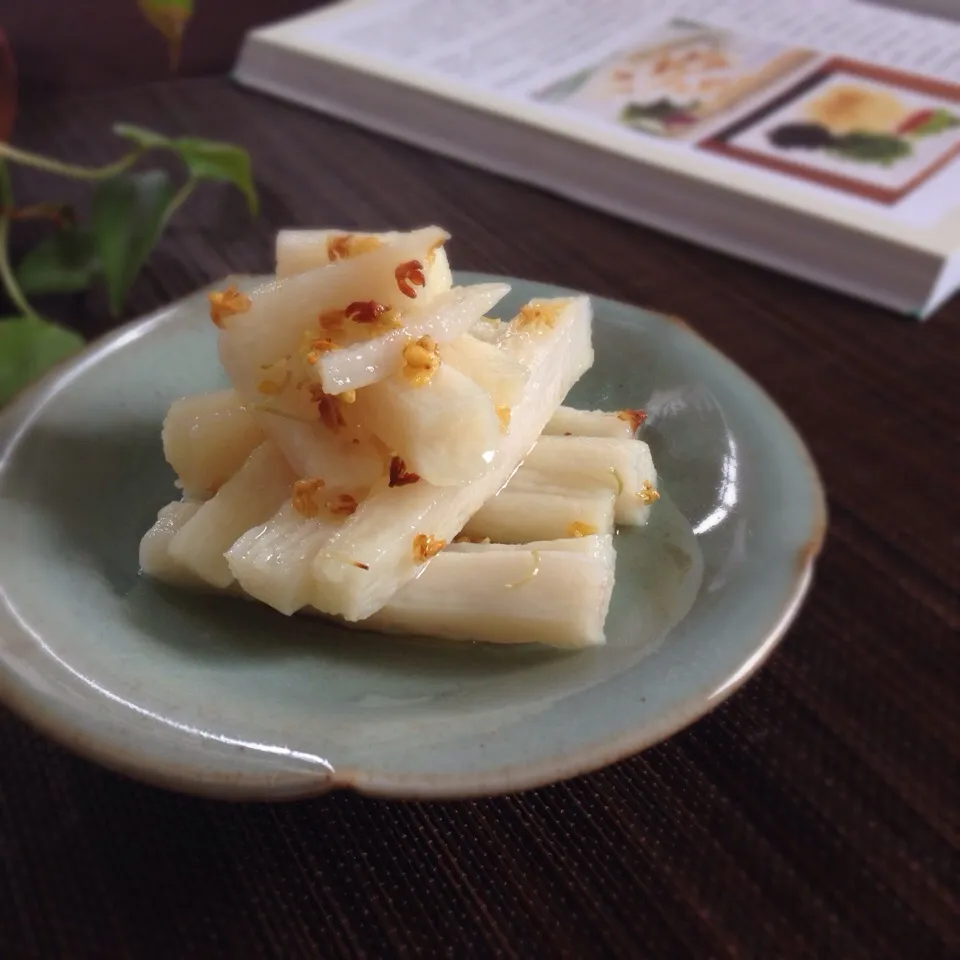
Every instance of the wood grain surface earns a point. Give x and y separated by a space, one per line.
813 815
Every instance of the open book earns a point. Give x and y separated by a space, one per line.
817 137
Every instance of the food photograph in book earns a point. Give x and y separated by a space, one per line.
865 130
681 77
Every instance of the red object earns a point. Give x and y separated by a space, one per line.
916 119
8 88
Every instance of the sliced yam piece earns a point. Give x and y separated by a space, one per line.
585 464
554 597
314 449
521 516
252 495
445 430
592 544
282 312
210 435
298 251
266 349
523 338
439 275
528 597
206 438
568 421
488 330
301 250
443 318
155 559
395 528
272 561
500 375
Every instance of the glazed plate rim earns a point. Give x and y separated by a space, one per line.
120 753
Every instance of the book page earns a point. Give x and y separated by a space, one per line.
504 43
856 105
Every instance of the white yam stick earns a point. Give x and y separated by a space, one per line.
376 551
568 421
314 450
281 312
556 593
211 434
442 318
591 544
520 516
445 430
272 561
582 464
206 438
488 366
554 597
301 250
265 350
250 496
488 330
155 559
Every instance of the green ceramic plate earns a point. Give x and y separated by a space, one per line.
220 697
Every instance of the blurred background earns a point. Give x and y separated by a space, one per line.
119 46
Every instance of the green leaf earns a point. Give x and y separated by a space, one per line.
28 348
880 148
657 116
141 136
129 211
64 263
938 121
223 162
205 159
170 18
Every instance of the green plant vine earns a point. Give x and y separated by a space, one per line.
131 205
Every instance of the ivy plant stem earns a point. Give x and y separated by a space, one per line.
179 197
7 278
71 170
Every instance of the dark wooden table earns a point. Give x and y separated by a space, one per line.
815 814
